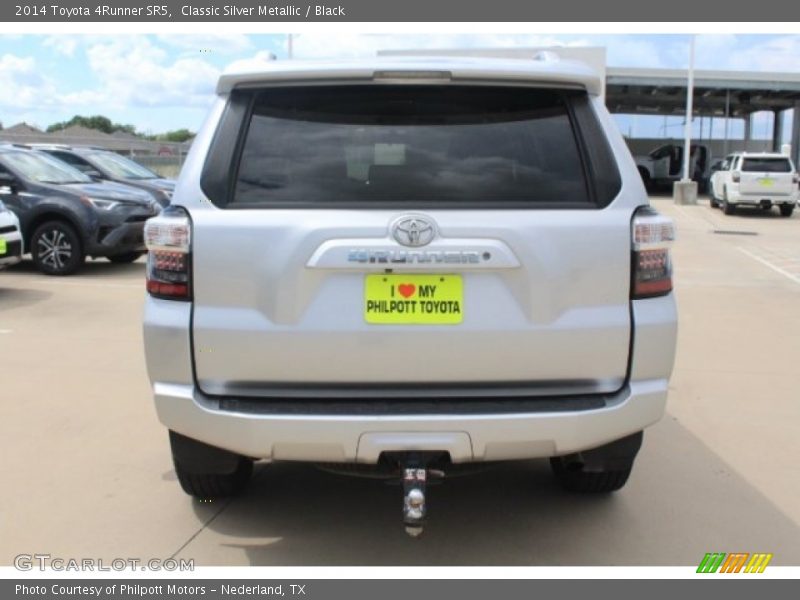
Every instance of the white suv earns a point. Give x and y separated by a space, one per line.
407 265
755 179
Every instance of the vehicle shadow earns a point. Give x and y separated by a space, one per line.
92 268
16 297
747 212
681 502
662 192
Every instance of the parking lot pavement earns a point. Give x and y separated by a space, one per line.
87 470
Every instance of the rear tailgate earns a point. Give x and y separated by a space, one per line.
508 204
767 176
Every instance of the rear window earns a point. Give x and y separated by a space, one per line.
767 165
412 144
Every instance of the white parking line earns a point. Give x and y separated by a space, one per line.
690 216
766 263
700 215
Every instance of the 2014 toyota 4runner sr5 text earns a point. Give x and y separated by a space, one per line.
409 265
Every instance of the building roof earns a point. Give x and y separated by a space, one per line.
124 135
77 135
22 133
21 129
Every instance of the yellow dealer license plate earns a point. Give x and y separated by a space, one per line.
3 248
413 299
766 181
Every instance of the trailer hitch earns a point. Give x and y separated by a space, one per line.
416 475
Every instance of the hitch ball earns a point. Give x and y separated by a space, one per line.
415 505
414 500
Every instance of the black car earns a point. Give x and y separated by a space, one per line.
102 164
65 216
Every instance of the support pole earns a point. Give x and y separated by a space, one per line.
685 190
687 130
795 139
777 130
727 117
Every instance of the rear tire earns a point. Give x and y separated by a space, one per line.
56 248
205 486
787 210
712 199
727 207
207 472
125 257
573 478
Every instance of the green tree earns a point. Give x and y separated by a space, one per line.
178 135
96 122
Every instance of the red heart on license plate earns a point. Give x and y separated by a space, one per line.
406 289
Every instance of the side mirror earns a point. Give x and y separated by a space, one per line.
8 181
96 175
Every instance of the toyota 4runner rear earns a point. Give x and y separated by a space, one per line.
409 265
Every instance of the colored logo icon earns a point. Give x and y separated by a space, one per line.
736 562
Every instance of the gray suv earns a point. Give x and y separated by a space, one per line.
104 165
406 266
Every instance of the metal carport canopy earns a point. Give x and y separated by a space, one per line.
663 91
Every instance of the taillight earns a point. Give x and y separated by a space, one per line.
795 178
736 177
652 235
168 238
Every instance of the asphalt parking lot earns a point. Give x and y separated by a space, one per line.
87 473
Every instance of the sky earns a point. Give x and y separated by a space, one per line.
164 82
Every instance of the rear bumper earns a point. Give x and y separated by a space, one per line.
361 438
756 199
486 435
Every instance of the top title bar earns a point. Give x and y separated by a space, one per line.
84 11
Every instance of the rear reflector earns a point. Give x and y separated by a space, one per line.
167 290
168 238
652 235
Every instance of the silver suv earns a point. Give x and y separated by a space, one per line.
409 265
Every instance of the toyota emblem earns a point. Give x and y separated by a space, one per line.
413 230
